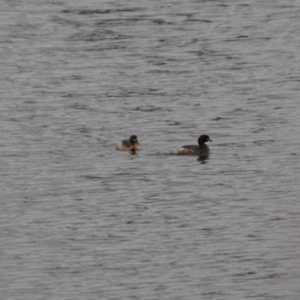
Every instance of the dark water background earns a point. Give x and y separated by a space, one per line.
79 220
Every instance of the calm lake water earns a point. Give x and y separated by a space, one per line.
80 220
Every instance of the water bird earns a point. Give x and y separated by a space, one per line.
130 144
201 150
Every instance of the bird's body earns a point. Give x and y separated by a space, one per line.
131 144
201 149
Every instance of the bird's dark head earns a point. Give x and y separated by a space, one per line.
133 139
203 139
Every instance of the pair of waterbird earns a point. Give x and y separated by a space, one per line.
132 144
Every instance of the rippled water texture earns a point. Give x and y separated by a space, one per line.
80 220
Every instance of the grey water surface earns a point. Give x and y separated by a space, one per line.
79 220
